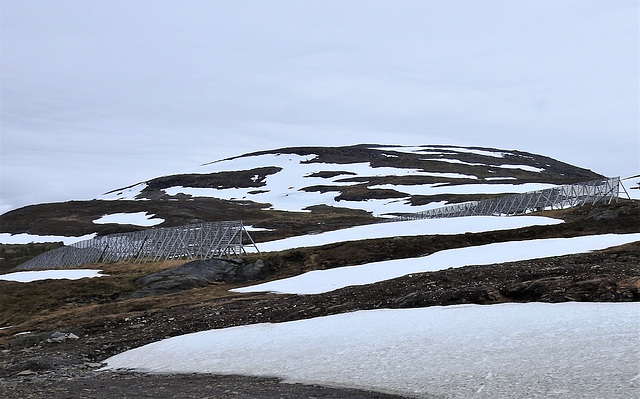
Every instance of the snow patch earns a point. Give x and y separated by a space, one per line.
504 166
457 161
486 153
442 150
521 167
586 350
29 276
433 189
450 175
252 228
501 178
7 238
320 281
412 150
136 218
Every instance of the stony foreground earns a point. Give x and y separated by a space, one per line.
74 326
65 365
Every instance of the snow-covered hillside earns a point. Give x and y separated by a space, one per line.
378 179
364 181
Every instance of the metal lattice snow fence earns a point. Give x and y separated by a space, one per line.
561 197
202 240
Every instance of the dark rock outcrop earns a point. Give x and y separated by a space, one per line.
200 273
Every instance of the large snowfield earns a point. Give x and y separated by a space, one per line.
528 350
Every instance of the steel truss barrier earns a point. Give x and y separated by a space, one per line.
561 197
203 240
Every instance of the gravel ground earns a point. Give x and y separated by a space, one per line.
109 385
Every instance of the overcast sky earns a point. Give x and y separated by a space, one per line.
98 95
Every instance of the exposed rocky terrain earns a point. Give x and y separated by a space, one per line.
73 331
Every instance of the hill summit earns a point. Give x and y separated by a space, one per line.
339 186
379 179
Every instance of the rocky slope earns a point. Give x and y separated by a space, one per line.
112 314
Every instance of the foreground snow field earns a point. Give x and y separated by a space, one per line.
28 276
461 225
527 350
319 281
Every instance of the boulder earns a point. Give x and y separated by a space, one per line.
200 273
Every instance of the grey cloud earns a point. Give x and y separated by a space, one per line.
134 89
